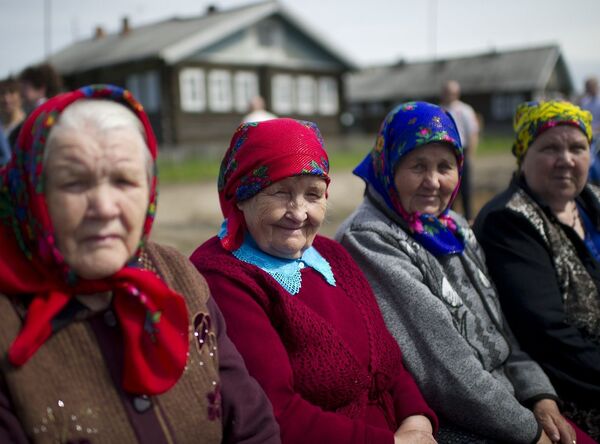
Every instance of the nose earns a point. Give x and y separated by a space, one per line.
297 209
566 157
432 180
102 202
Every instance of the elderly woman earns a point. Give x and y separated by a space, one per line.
298 309
429 277
104 336
542 240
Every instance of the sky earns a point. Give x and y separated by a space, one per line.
368 32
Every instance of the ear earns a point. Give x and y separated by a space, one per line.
241 205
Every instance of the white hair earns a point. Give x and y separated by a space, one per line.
103 115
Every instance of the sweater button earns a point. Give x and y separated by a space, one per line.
142 403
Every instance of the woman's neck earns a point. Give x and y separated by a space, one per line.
568 213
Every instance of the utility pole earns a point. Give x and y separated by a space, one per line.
433 14
47 28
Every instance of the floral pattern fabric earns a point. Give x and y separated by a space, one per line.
407 127
533 118
262 153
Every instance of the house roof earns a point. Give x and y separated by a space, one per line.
174 39
506 71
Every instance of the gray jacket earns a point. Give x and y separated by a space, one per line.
446 317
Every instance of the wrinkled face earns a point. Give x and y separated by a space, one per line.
284 218
426 177
97 194
10 101
556 164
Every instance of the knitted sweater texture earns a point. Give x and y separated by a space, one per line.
324 357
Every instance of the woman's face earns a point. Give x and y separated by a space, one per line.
426 177
97 194
284 218
556 164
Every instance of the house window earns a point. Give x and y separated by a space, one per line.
220 98
145 87
504 105
307 94
192 90
328 96
282 92
246 88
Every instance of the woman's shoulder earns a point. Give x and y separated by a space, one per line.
367 218
211 255
513 204
178 272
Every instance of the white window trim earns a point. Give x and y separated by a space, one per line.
246 88
329 101
220 94
192 90
283 103
306 93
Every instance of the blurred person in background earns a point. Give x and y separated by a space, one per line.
11 109
591 102
37 84
5 152
258 111
468 127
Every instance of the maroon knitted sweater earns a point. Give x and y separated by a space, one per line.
324 356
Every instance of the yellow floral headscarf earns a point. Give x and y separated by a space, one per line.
533 118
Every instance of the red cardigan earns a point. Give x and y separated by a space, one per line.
324 356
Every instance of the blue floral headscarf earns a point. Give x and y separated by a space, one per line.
407 127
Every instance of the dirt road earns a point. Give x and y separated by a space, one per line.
188 214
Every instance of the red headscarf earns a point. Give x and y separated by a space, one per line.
153 318
261 153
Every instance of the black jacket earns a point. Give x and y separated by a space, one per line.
521 264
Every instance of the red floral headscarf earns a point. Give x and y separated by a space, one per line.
262 153
153 318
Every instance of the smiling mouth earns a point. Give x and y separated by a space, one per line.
290 228
101 239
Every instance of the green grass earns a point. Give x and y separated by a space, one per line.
195 169
495 145
344 154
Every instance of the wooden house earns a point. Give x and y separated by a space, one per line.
493 83
195 76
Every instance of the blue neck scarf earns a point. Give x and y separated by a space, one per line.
287 272
407 127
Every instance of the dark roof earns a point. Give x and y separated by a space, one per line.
175 39
516 70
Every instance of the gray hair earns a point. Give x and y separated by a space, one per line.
104 115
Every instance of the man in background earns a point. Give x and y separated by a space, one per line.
258 111
591 102
468 129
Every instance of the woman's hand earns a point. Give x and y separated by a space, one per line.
555 426
544 439
414 429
